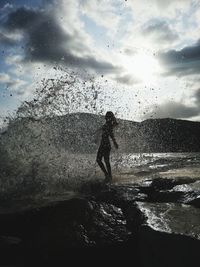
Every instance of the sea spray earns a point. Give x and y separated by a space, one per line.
48 148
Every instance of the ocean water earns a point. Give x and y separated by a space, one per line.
135 166
152 161
67 172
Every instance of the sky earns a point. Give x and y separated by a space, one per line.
143 56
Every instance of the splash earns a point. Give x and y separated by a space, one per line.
49 146
68 91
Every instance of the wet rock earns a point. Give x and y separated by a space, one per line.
172 218
108 225
134 217
80 223
191 187
10 249
167 250
156 221
93 187
9 240
121 195
167 183
48 232
165 196
190 193
116 194
170 235
192 199
165 189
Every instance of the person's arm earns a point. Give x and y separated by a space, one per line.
113 139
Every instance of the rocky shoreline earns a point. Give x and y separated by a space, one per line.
155 223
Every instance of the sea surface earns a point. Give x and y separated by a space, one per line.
138 166
68 172
65 178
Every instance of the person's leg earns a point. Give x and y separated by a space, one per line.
99 161
107 162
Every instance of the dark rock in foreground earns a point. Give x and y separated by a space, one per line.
111 222
170 235
179 190
171 218
48 233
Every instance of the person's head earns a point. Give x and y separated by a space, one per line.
110 118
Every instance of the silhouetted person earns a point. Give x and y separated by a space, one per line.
105 146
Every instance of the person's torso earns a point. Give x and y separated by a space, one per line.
106 132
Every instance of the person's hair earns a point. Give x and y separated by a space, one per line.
111 118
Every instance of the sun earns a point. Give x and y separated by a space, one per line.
143 67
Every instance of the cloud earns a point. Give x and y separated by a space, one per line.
5 4
174 110
4 77
103 13
160 31
170 24
5 40
14 84
5 8
159 8
47 41
197 97
171 4
127 79
182 62
9 39
178 110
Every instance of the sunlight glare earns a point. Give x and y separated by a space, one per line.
142 66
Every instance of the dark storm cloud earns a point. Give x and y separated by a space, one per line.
197 97
45 40
183 62
4 3
160 31
176 109
5 40
5 9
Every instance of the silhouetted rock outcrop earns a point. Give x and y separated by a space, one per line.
170 135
